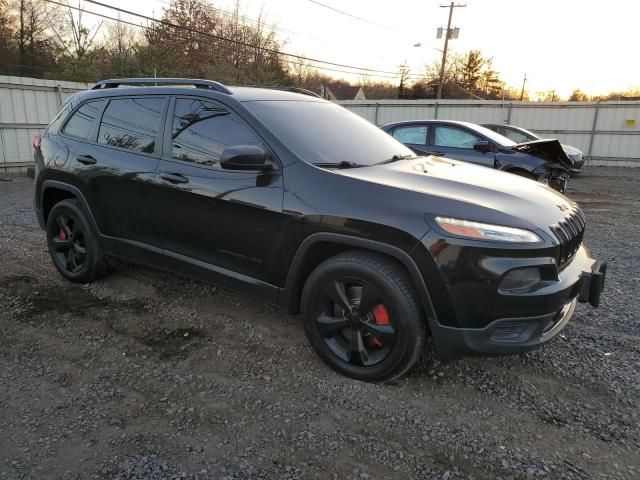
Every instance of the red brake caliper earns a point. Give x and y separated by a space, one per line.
381 317
62 235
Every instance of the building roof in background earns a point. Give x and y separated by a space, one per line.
343 92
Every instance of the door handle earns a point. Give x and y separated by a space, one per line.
86 159
174 178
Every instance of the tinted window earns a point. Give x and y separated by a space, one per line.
131 123
454 137
80 123
202 129
416 135
323 132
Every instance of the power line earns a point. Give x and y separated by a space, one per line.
347 14
251 20
301 59
237 42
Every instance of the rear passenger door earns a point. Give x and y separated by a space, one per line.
118 166
456 142
216 217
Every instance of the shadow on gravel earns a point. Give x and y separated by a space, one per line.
179 343
29 298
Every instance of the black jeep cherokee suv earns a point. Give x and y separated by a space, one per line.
297 201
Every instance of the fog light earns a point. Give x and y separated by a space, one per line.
520 279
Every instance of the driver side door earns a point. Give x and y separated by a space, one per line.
456 142
226 224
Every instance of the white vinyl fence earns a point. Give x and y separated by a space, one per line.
607 132
27 105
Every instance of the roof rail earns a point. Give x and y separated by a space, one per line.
206 84
286 88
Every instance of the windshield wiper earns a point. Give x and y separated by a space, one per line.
343 164
395 158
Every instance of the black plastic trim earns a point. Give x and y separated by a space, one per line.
71 189
287 300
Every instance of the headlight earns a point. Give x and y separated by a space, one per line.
486 231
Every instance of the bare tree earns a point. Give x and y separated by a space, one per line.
34 24
77 39
120 46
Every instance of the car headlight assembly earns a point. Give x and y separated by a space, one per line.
486 231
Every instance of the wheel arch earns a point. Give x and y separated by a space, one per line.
53 191
320 246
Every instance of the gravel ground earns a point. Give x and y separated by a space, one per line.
145 375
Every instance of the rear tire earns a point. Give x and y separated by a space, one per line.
73 245
363 317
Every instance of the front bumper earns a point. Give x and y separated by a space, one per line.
536 317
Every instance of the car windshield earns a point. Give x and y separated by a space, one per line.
326 133
528 133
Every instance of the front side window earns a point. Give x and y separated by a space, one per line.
416 135
80 123
131 123
516 136
202 129
455 137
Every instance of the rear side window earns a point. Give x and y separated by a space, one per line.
131 123
80 123
202 129
416 134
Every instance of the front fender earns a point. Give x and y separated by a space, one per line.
288 297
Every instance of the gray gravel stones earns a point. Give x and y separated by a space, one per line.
146 375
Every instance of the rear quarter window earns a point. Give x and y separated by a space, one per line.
81 121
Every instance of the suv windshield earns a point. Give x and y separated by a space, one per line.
324 133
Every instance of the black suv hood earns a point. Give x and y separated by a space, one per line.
550 150
454 188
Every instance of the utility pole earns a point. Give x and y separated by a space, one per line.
404 71
446 45
522 91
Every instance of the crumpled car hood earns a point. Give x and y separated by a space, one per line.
550 150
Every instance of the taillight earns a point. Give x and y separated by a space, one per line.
36 141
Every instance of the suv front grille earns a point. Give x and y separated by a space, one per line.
569 232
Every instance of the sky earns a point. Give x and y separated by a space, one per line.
560 45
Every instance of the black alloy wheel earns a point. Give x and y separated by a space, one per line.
363 317
69 244
354 322
73 245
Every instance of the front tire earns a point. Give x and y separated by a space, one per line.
363 317
72 244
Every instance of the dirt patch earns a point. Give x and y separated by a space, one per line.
32 298
179 343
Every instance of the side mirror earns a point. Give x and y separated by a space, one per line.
244 157
483 146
